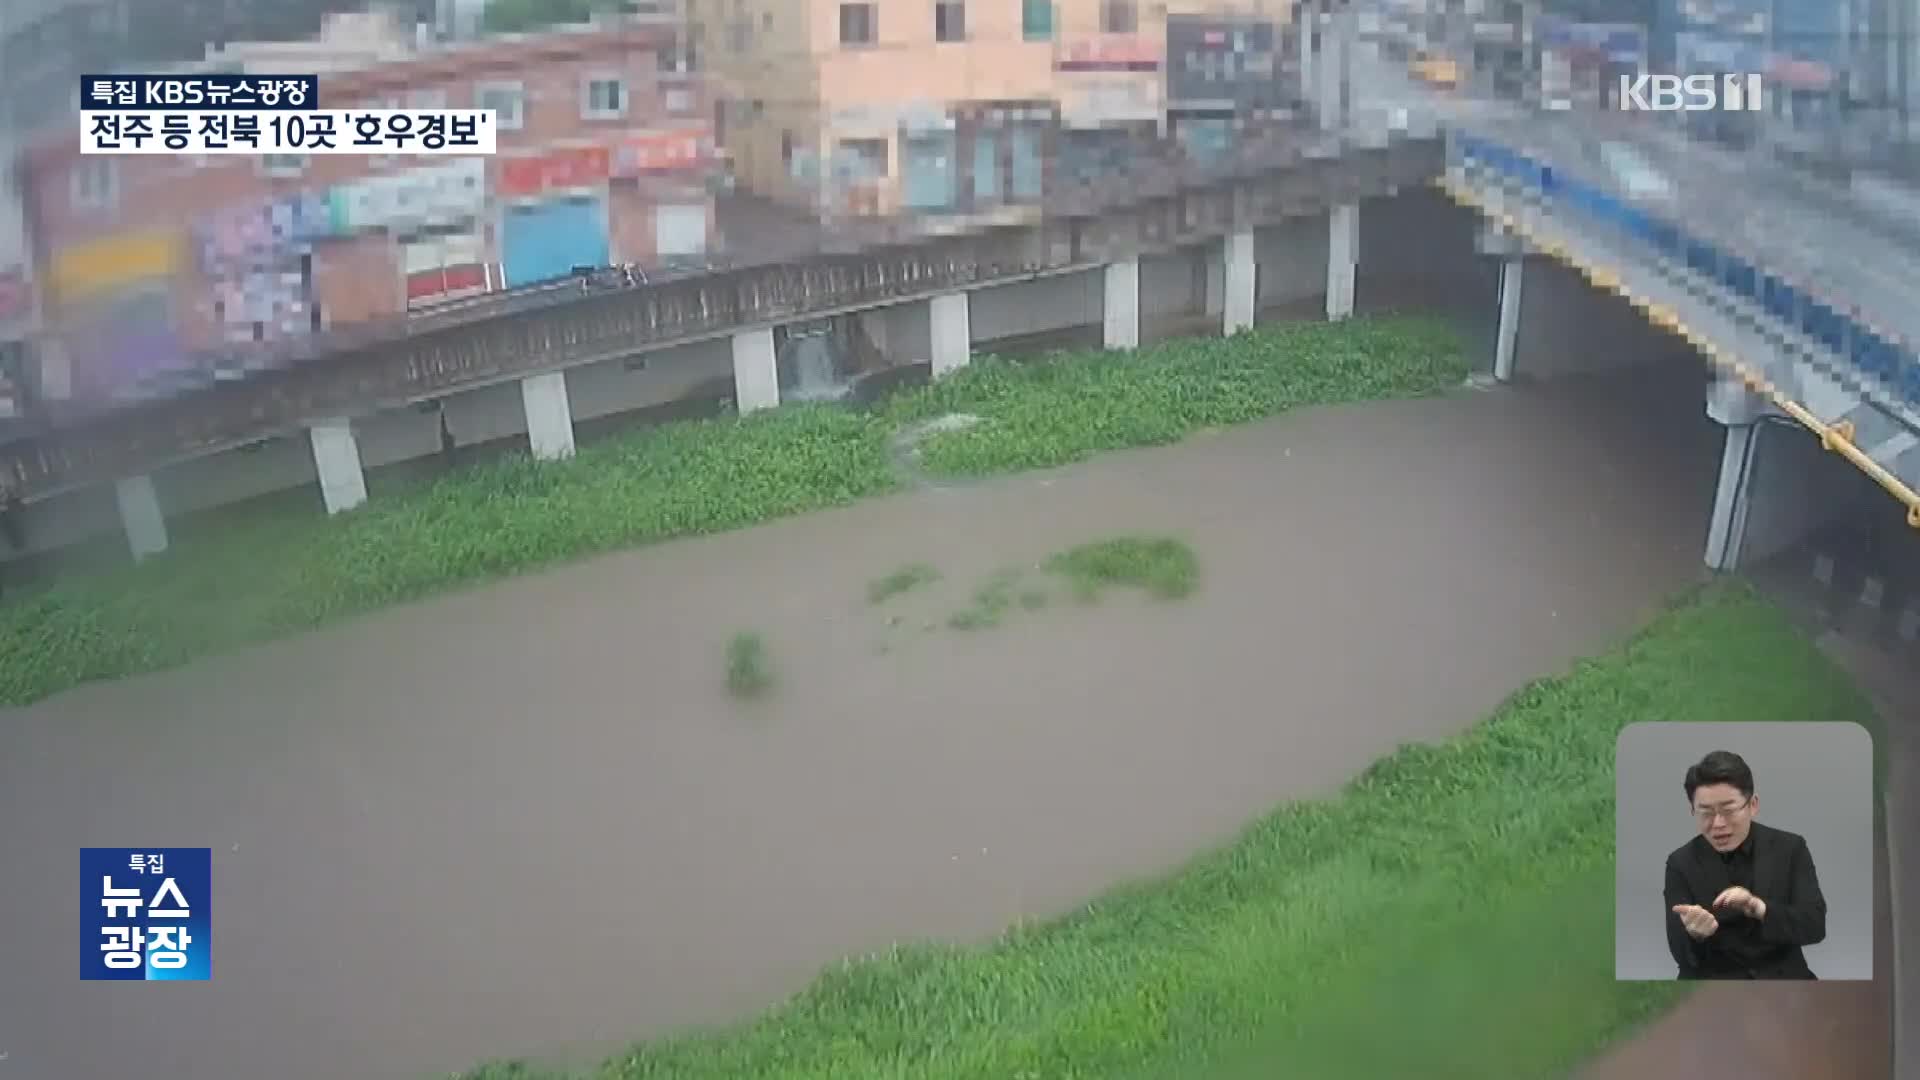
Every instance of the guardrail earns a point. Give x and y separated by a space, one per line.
1874 354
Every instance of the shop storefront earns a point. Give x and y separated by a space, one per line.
555 215
257 262
112 313
433 215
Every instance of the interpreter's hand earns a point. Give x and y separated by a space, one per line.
1698 921
1739 899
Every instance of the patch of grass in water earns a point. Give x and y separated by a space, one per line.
749 672
905 579
1166 568
990 603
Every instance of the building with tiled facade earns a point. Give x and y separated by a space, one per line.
937 106
149 265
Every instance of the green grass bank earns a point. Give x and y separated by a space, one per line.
1393 930
260 577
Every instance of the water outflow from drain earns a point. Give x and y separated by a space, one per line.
816 376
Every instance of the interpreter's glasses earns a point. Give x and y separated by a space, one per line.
1706 815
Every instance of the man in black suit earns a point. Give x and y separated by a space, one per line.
1742 898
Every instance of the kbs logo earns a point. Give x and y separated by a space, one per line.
1690 93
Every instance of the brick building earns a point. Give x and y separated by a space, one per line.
148 263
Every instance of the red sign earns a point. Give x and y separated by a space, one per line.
556 170
1107 52
16 294
446 281
660 151
1799 74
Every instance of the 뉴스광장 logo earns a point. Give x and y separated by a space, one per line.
145 914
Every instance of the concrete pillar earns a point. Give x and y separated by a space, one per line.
140 515
1216 283
1331 68
336 457
756 375
1120 309
1508 338
1727 528
1238 306
549 416
951 332
1305 19
1343 255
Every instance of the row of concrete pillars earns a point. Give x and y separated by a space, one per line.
1232 293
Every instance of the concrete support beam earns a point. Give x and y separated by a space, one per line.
1120 307
1507 341
1343 259
951 332
549 415
1726 529
1242 285
336 457
140 515
756 374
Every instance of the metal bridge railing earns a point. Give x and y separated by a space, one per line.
1731 291
1867 353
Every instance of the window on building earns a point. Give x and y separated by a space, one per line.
866 157
282 165
1119 17
858 24
604 98
786 148
96 184
949 20
740 35
508 100
1036 20
678 100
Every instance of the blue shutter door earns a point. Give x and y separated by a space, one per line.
547 241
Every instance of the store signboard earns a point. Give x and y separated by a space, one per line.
1107 52
565 169
1222 62
1093 103
642 153
434 195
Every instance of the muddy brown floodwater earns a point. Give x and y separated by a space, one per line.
526 819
